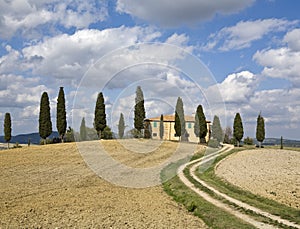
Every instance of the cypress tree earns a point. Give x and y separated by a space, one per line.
200 127
100 115
83 130
7 128
179 127
121 126
238 131
61 119
227 135
139 110
161 127
260 130
217 132
45 124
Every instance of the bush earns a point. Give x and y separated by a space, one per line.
69 137
16 145
48 141
191 206
106 133
135 133
248 141
233 141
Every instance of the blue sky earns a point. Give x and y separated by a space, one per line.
230 56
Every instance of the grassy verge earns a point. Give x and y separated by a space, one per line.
213 216
262 203
254 215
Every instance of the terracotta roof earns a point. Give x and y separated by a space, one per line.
171 118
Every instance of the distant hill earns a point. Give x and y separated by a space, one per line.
35 139
23 138
286 142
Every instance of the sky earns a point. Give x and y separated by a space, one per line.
229 56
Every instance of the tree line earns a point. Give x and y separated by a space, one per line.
45 124
104 132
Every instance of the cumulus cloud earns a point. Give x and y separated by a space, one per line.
279 107
179 12
244 33
20 96
282 62
292 39
28 16
67 57
100 54
18 91
111 58
10 61
236 87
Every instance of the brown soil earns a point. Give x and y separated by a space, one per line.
153 154
51 187
270 173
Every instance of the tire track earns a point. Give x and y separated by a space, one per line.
220 204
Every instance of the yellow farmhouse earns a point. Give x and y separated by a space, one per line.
169 130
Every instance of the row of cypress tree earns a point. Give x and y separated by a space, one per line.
45 124
200 127
238 130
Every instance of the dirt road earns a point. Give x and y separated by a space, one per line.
220 204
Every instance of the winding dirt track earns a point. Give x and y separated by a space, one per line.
220 204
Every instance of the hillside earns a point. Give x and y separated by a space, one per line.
286 142
23 138
51 187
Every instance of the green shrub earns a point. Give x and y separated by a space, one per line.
135 133
248 141
233 141
191 206
213 143
47 141
69 137
16 145
106 133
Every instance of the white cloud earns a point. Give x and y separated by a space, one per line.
18 91
30 112
66 58
279 107
179 12
292 39
237 87
63 60
69 56
21 97
10 61
27 15
244 33
282 62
